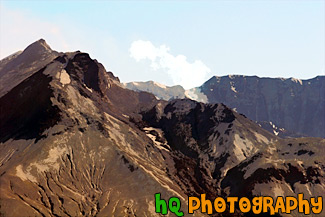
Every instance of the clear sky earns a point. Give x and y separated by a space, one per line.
176 42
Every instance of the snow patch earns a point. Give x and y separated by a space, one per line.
233 89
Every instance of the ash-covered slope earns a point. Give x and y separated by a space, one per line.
74 142
295 106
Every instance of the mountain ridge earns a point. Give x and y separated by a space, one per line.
261 99
75 142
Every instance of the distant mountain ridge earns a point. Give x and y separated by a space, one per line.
159 90
296 105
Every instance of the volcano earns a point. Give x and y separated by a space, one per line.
76 142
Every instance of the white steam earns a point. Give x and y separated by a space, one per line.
177 67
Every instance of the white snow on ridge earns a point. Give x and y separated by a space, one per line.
159 85
232 86
296 80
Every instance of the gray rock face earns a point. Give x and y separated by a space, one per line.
74 142
298 106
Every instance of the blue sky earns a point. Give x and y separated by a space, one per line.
176 42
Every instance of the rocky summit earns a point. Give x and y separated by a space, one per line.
75 142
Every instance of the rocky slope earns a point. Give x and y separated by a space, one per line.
75 142
297 106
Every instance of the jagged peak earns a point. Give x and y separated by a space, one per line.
38 46
43 43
